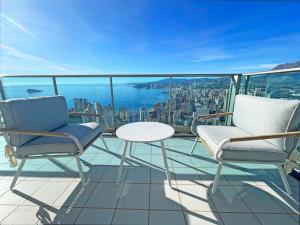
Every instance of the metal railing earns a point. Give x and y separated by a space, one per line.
234 86
171 77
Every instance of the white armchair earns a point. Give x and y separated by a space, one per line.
265 131
39 128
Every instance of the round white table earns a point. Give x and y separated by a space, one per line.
144 132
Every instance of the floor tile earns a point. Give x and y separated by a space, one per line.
47 194
195 198
226 199
132 217
289 204
111 173
134 196
138 175
239 218
158 176
105 195
75 195
202 218
58 215
22 191
166 217
276 219
6 210
95 216
258 200
181 161
24 215
186 175
162 197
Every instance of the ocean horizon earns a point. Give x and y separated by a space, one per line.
125 95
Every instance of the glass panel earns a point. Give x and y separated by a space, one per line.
87 95
275 86
197 96
20 87
141 99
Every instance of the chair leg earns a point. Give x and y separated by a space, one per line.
104 142
80 171
18 172
121 164
194 145
163 148
284 179
130 149
217 177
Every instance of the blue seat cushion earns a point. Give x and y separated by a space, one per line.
85 132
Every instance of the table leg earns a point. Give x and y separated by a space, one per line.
121 164
166 162
130 149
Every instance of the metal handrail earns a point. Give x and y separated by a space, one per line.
124 75
273 72
234 78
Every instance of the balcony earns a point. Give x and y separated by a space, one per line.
49 190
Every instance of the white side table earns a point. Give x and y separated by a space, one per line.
144 132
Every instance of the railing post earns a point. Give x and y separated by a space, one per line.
2 91
112 102
55 85
233 91
170 105
246 84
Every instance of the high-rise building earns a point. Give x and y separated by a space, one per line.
98 110
143 114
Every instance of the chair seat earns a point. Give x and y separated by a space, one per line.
85 132
259 150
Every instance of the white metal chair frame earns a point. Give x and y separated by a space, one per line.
71 137
239 139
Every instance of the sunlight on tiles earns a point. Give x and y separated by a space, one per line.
50 192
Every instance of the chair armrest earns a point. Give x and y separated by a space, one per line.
207 117
262 137
46 134
254 138
214 115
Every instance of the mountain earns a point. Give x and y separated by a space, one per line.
287 65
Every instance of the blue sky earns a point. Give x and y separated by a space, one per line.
147 36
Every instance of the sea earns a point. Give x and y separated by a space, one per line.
125 95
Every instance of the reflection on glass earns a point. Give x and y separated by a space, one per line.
89 96
20 87
191 97
141 99
275 86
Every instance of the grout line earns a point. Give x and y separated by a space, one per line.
149 197
119 197
246 204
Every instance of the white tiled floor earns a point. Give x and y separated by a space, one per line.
49 192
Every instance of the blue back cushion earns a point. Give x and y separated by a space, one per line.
38 114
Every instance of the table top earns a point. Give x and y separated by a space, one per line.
145 132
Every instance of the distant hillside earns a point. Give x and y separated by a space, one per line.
287 65
214 82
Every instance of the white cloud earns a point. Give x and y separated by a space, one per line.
22 28
8 51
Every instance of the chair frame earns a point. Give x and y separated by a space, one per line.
239 139
69 136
